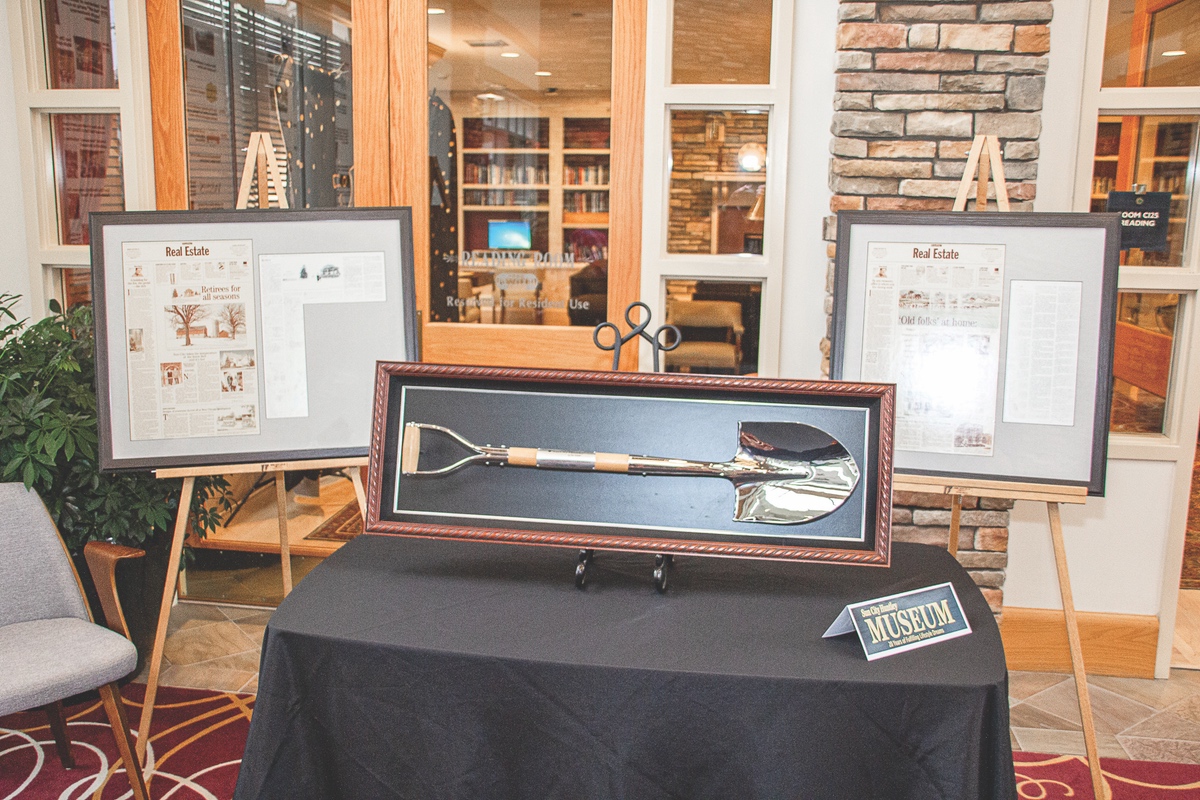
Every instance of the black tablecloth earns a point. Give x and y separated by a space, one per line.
426 670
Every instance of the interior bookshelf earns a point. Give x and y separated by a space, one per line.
553 172
1155 152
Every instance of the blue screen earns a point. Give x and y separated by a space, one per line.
509 234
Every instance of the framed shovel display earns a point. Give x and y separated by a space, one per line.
704 465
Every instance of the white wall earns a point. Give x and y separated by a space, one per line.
14 252
1116 545
804 267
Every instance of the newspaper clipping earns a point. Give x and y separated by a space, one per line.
192 355
291 281
932 327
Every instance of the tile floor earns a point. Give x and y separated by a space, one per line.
212 647
217 647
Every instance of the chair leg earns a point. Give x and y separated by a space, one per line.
115 709
59 728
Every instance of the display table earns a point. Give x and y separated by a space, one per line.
426 670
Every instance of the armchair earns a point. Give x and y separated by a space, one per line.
49 645
712 335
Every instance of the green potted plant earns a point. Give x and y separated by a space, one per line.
48 440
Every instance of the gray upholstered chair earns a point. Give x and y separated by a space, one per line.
49 646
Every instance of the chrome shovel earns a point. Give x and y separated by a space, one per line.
783 473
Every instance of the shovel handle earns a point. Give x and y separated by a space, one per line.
545 458
564 459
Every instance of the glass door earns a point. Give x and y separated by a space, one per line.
525 181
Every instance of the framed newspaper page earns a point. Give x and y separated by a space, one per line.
997 330
249 336
703 465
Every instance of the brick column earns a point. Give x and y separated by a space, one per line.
915 83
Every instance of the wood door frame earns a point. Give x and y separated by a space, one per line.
548 346
164 34
391 113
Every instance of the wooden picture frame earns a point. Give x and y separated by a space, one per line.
918 303
247 336
675 416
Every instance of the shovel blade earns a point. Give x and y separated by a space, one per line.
799 473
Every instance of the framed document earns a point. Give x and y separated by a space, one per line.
631 461
245 336
997 330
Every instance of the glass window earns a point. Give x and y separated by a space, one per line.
1152 43
278 68
1145 342
1155 154
87 170
74 285
79 44
718 322
721 41
520 153
718 181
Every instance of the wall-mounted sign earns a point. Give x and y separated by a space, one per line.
1144 219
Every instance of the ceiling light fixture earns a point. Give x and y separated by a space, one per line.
541 73
510 55
1173 53
435 11
489 96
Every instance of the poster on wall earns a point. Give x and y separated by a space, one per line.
997 330
211 166
79 44
246 336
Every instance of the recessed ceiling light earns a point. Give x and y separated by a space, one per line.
489 96
510 55
433 10
1173 53
541 73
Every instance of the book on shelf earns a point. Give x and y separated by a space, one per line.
590 175
585 201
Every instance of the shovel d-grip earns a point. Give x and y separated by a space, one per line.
783 473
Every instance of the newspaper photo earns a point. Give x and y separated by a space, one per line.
192 354
932 326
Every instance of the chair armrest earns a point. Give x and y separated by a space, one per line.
102 558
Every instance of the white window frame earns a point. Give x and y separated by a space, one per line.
1177 443
35 102
659 266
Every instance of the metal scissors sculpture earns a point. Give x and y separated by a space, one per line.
657 344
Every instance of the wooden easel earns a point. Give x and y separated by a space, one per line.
189 475
262 163
984 161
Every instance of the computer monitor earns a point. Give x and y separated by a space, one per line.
509 234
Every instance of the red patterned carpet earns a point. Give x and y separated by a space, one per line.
199 736
195 749
1044 777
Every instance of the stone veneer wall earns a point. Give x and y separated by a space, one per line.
703 142
915 82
